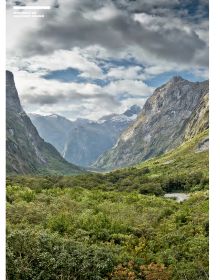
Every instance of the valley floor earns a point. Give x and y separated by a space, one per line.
76 233
113 226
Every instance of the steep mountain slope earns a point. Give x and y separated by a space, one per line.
53 128
175 112
199 120
87 141
186 159
26 151
83 141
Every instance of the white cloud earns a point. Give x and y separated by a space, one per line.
59 60
50 96
132 72
83 34
40 86
131 87
154 22
204 73
104 13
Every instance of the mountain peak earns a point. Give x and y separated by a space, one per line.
9 75
135 107
162 124
176 79
12 99
133 110
53 116
10 78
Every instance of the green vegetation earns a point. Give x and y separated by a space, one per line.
183 160
180 170
75 233
113 226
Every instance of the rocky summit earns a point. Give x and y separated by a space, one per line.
177 111
26 151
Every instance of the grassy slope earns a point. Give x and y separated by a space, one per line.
183 160
182 169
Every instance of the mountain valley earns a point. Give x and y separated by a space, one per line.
82 141
26 151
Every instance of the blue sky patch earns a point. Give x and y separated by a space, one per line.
70 75
65 75
161 79
114 63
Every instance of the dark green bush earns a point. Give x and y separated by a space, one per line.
151 188
43 256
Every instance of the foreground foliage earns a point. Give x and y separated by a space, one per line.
113 226
76 233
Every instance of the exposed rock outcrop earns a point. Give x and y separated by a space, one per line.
176 111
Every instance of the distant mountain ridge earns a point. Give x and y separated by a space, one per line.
52 128
133 110
82 141
26 151
177 111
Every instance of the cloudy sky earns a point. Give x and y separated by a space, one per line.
89 58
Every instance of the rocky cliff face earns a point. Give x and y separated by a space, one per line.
175 112
26 151
12 99
83 141
199 120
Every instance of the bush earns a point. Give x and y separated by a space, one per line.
133 271
42 256
76 233
175 184
151 188
60 223
192 181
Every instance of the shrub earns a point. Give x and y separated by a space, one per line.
60 223
133 271
151 188
42 256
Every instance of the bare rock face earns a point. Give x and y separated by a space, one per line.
203 145
175 112
12 99
26 151
199 120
